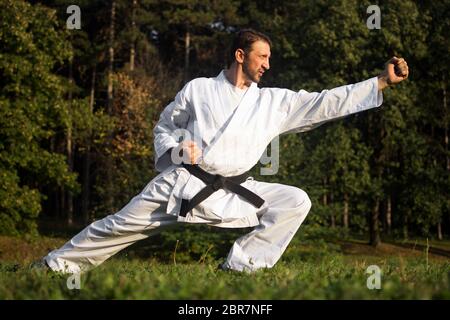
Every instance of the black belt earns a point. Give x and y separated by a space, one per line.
215 182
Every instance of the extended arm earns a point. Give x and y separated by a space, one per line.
307 110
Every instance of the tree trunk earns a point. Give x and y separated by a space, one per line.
187 44
325 199
444 101
405 225
85 195
439 230
345 217
333 217
58 202
389 214
111 57
62 203
378 165
54 196
69 148
87 158
133 38
108 161
375 239
69 203
446 120
92 93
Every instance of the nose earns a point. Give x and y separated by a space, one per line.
266 65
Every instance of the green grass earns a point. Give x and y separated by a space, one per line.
308 270
330 278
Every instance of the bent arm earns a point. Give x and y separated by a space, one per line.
175 116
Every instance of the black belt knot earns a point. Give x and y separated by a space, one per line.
214 183
219 182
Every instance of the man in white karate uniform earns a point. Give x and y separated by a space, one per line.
220 127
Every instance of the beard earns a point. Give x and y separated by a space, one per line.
253 76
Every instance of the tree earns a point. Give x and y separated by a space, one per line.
32 110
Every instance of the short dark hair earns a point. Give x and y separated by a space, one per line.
244 39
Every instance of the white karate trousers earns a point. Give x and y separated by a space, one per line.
143 216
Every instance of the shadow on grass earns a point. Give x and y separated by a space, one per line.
186 243
192 242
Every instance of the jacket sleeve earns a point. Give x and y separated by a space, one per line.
304 110
175 116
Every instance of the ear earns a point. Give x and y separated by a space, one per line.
239 56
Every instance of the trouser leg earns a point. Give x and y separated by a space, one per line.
102 239
285 210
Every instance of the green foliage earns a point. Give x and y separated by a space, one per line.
32 109
390 153
20 206
53 85
135 108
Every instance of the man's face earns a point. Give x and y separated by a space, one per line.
256 62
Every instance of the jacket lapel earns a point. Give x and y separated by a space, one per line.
234 122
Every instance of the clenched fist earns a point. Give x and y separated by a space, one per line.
395 71
191 152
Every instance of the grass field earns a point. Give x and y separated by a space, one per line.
309 269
